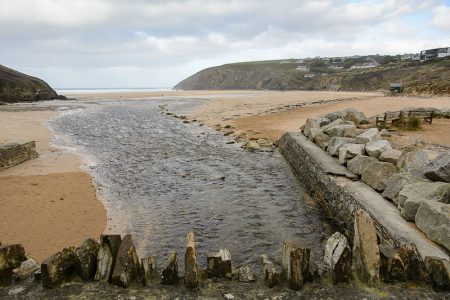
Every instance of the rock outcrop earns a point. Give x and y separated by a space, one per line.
19 87
433 218
378 175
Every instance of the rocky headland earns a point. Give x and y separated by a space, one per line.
19 87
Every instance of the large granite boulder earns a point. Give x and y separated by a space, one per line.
439 269
342 131
321 139
336 115
336 123
433 219
127 265
252 146
11 256
348 151
439 168
336 143
359 163
190 263
309 124
58 268
338 258
366 254
376 148
378 174
435 191
169 275
397 182
371 134
86 259
390 156
313 132
358 117
413 161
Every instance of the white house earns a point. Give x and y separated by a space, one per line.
302 68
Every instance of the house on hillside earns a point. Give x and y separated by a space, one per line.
309 75
302 68
335 67
434 53
366 65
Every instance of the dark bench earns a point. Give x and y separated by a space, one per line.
426 115
389 117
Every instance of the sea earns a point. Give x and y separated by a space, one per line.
63 91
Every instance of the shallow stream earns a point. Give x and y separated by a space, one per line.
160 178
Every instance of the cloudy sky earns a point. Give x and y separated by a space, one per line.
156 43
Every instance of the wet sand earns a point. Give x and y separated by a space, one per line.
31 209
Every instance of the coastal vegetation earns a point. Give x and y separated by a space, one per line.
357 73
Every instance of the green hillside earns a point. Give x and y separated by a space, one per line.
431 77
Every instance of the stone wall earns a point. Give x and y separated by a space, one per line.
340 195
14 154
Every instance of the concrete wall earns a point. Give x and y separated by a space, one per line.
14 154
340 195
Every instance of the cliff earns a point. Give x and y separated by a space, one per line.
19 87
431 78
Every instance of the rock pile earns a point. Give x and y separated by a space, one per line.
407 178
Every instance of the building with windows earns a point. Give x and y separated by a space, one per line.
434 53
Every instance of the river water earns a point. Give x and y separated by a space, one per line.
159 178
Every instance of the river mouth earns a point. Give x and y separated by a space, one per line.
160 178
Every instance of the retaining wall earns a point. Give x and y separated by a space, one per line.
14 154
340 195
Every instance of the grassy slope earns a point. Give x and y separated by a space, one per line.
16 86
419 78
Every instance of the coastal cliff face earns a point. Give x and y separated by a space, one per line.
426 78
19 87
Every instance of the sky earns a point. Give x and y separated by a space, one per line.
157 43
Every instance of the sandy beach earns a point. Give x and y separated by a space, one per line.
59 203
47 203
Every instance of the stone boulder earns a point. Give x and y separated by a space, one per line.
252 146
312 133
413 161
370 135
338 258
58 268
11 256
434 191
439 269
433 219
245 274
27 269
348 151
149 271
219 264
127 267
376 148
341 131
336 143
336 115
190 263
358 117
336 123
169 274
439 168
414 265
366 255
397 182
390 156
309 124
359 163
321 139
269 270
392 268
264 143
378 174
86 259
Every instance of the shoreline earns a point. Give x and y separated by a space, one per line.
52 193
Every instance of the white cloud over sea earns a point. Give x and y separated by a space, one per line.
137 43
